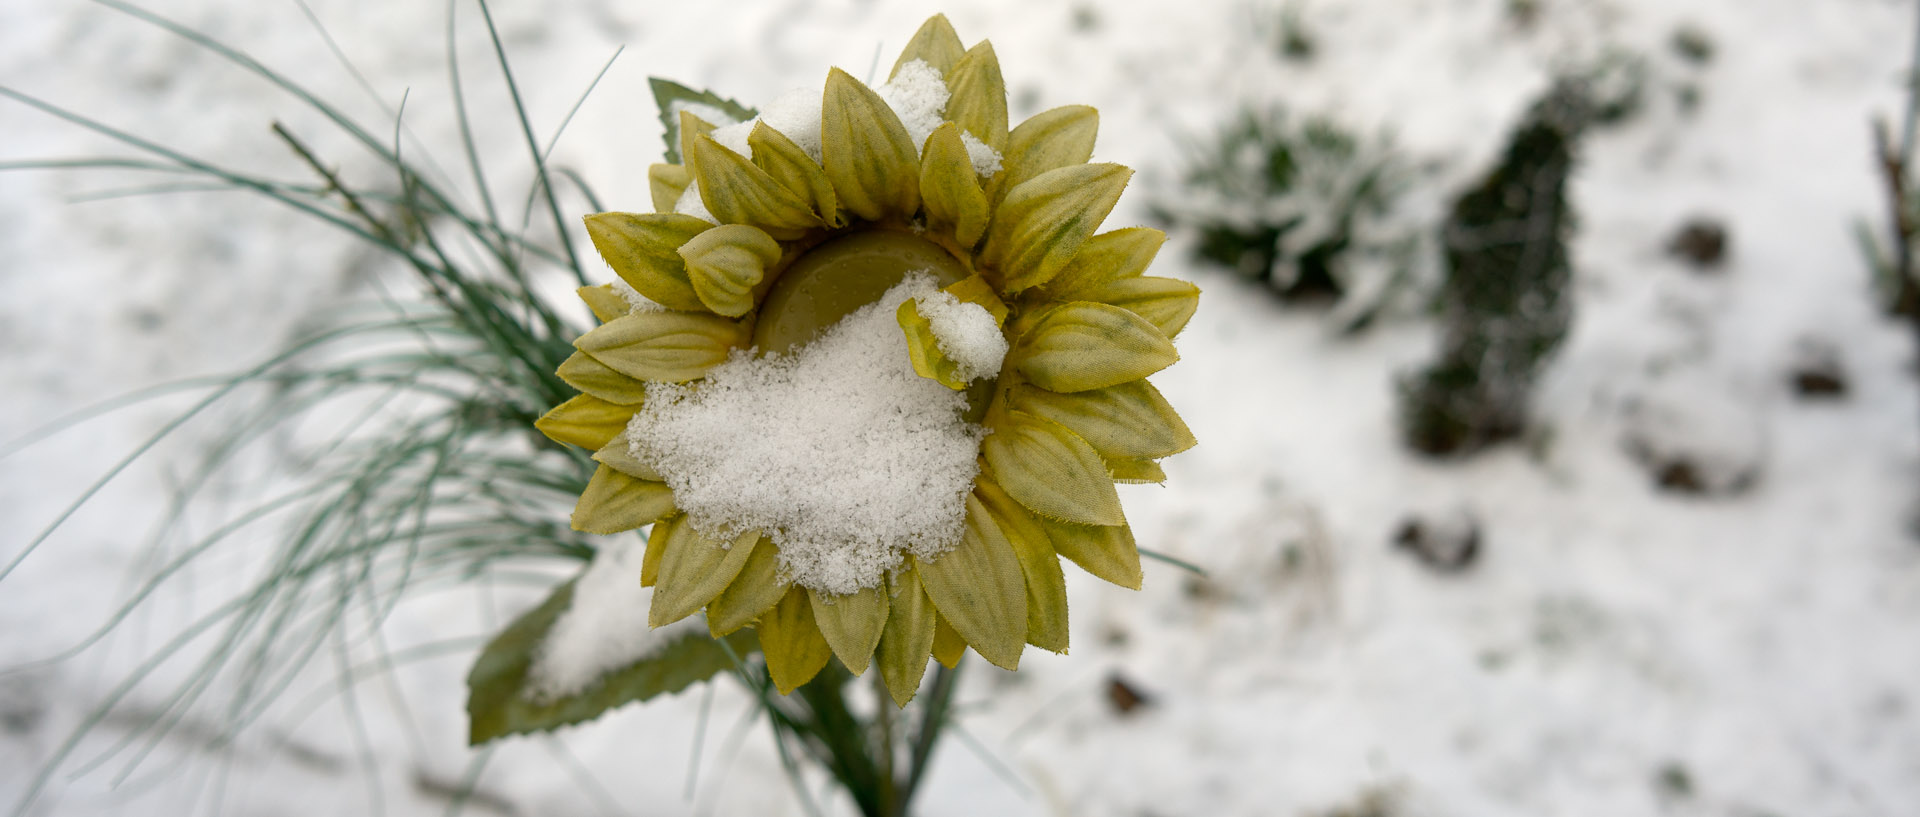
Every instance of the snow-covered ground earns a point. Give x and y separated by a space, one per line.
1616 649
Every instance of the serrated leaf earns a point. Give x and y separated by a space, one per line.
873 166
1044 221
598 379
586 421
852 624
980 589
726 263
935 43
1081 345
736 191
755 591
671 96
1051 471
643 249
614 502
949 188
1127 421
791 641
1107 552
1060 137
979 101
1046 584
908 640
498 701
693 570
673 347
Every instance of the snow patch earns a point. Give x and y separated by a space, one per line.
919 97
604 628
636 302
839 451
986 160
966 332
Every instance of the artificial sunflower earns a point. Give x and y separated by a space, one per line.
904 503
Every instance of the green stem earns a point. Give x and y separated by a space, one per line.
933 719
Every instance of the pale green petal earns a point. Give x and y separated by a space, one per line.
1167 303
1108 552
667 183
948 646
851 624
614 502
755 591
776 154
605 303
643 249
693 570
591 376
1105 258
791 641
1135 472
1080 346
1056 138
935 43
1127 421
949 188
1046 585
908 640
1045 220
865 151
586 421
736 191
667 346
979 102
1051 471
924 349
979 588
974 289
691 128
618 455
726 263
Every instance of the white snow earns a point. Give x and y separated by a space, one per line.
986 160
636 302
605 626
846 456
966 332
919 97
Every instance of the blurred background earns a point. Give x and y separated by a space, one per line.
1553 381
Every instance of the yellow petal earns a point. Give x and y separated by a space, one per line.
618 455
641 248
614 502
1046 585
979 102
979 588
1081 346
592 377
738 192
755 591
908 638
1043 222
923 349
791 641
656 548
948 646
935 43
774 153
667 183
667 346
1167 303
1135 471
851 624
726 263
1108 552
1127 421
693 570
865 151
974 289
1051 471
691 127
1105 258
949 188
605 303
1056 138
586 421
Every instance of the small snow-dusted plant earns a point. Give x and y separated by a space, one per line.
866 373
1307 206
1505 305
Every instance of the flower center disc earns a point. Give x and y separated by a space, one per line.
832 280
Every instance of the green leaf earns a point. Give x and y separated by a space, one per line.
670 96
498 703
